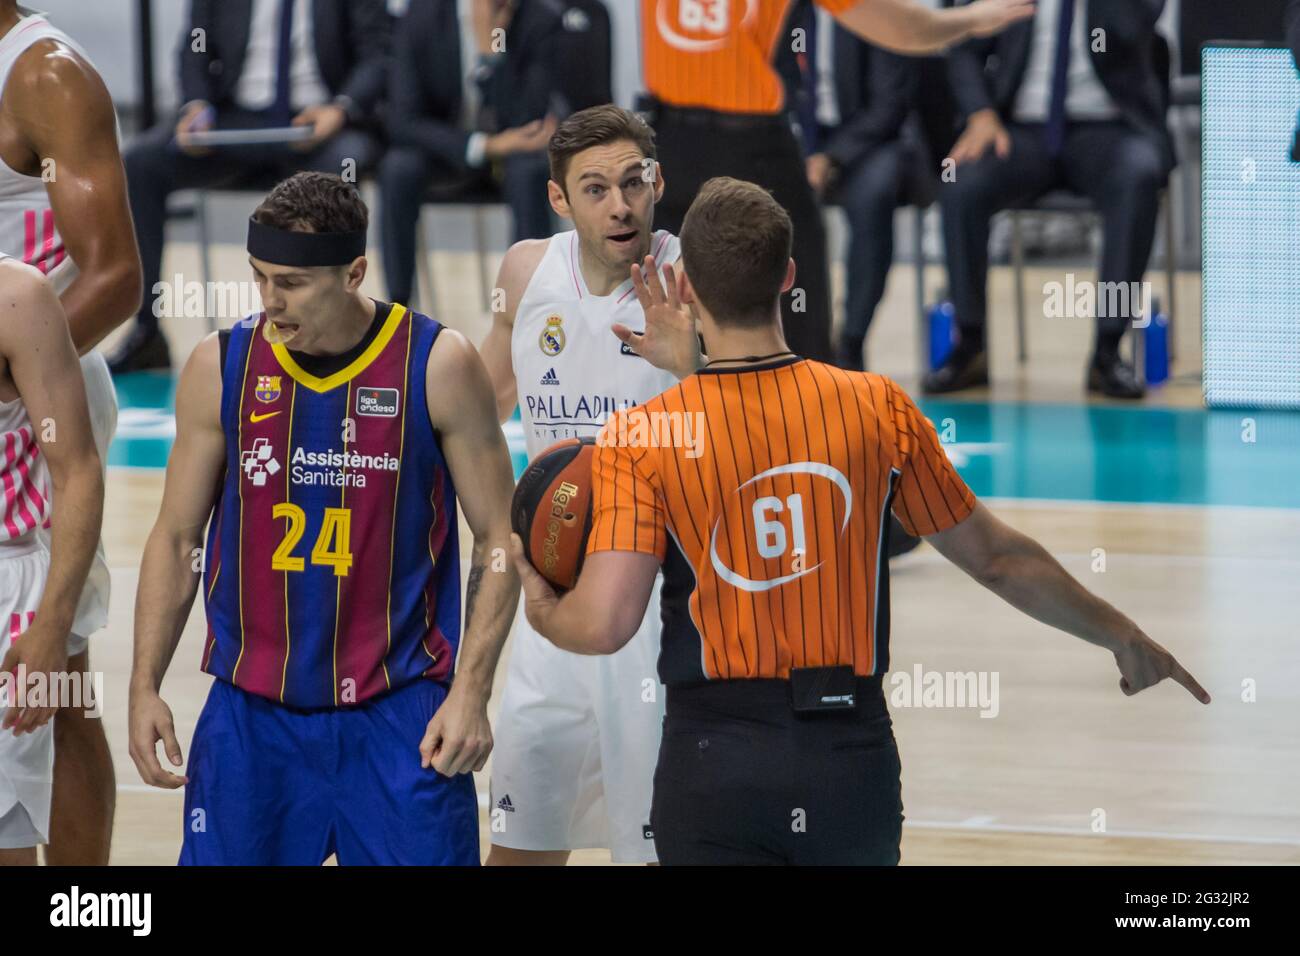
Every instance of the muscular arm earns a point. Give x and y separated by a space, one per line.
34 339
167 580
61 108
906 26
604 609
516 272
1021 572
461 411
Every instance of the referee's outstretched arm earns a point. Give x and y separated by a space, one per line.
1020 571
907 27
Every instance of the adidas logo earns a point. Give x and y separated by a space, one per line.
550 378
505 804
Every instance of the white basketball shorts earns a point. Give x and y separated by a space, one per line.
577 740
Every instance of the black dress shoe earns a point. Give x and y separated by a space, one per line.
961 370
1115 378
900 542
142 349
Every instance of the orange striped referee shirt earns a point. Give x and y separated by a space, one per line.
717 54
765 491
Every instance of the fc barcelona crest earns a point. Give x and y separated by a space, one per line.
552 338
268 388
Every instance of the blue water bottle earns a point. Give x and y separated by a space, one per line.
942 328
1155 346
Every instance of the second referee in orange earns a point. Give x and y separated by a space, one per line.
715 102
770 527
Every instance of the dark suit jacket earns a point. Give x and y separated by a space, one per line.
875 90
987 72
1293 30
424 86
352 49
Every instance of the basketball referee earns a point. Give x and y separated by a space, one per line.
777 745
715 101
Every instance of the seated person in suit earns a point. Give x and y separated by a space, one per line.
463 68
251 64
433 101
851 103
1087 114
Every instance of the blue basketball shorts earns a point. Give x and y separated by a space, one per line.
271 785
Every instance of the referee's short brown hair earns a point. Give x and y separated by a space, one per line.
596 126
736 243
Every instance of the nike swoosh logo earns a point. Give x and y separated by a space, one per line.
254 417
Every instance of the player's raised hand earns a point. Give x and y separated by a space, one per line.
1142 663
459 737
669 341
150 720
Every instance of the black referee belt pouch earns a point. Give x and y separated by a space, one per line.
821 690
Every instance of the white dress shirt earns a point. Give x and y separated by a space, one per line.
256 87
1085 97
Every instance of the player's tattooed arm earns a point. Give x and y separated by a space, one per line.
168 575
462 411
43 366
64 111
516 272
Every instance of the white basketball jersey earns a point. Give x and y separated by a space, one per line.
24 476
27 230
571 371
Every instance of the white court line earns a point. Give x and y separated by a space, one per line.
1084 503
978 824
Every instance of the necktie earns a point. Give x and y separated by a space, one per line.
281 107
807 100
1054 131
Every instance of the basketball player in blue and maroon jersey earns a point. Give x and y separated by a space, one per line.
337 435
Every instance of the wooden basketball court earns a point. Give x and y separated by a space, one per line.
1069 770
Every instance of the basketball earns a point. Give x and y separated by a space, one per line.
551 510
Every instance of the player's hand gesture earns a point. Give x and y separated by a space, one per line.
38 650
1142 662
459 738
669 341
150 720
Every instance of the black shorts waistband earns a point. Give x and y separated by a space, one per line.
658 112
763 698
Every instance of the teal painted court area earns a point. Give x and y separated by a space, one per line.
1004 450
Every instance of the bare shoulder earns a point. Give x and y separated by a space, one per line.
451 357
519 265
50 74
25 294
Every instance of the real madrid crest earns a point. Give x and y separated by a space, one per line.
268 388
552 338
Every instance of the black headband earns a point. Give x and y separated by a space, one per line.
285 248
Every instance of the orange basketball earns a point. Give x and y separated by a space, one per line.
551 510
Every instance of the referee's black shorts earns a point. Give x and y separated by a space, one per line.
742 780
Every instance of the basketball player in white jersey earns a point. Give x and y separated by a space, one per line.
46 449
577 737
63 210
